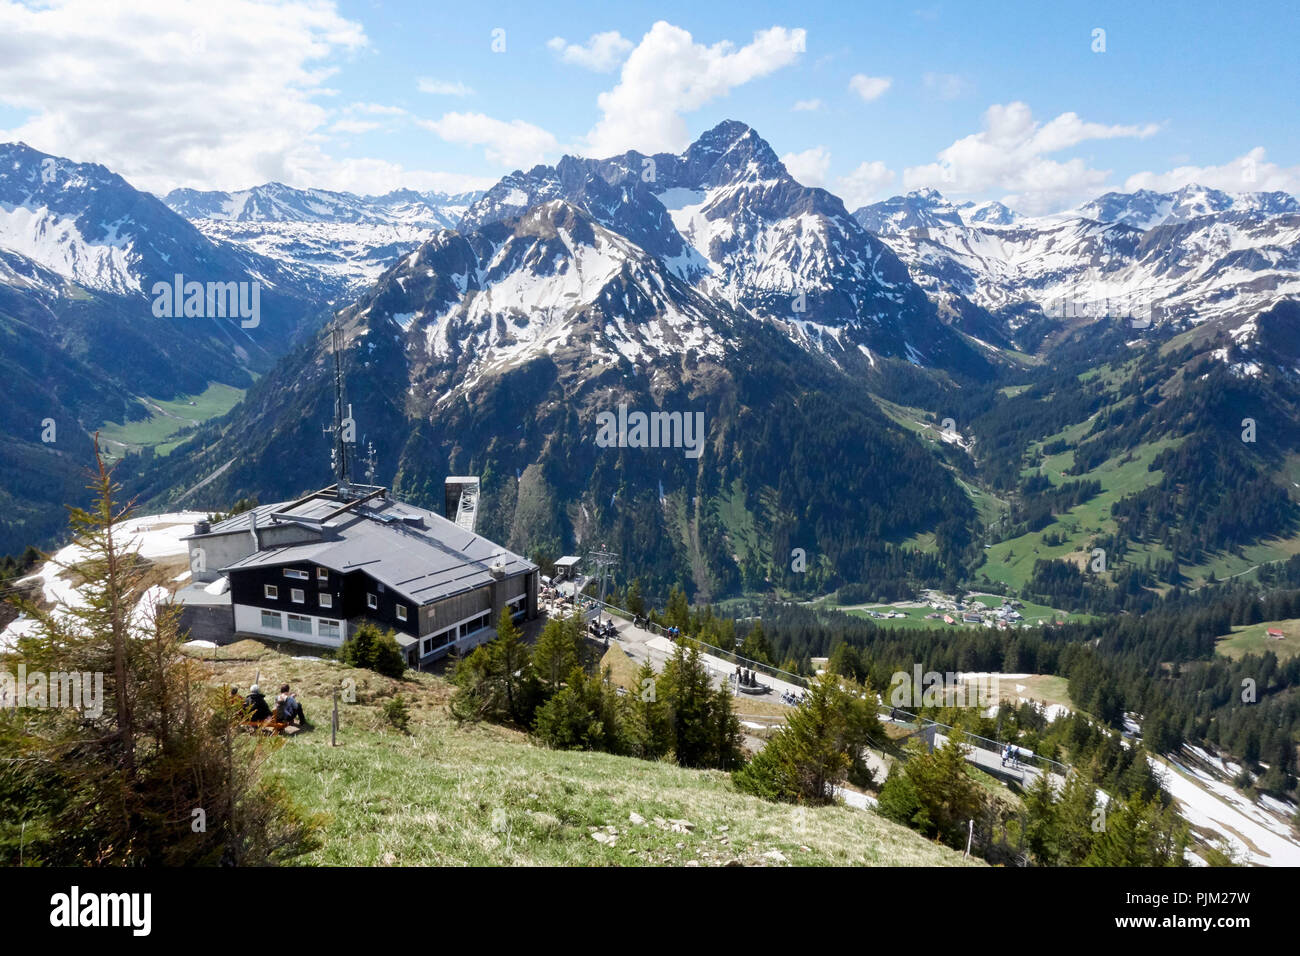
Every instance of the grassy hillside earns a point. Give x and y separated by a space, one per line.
166 427
1254 639
1012 561
483 795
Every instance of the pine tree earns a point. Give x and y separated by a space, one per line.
899 801
648 731
635 600
813 754
1076 816
374 649
705 731
571 718
756 646
1042 826
846 662
678 612
558 651
117 783
496 681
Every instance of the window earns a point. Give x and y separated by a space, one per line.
372 602
271 620
401 612
329 629
299 624
325 599
270 591
436 642
297 596
322 574
295 574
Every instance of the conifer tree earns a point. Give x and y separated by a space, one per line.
647 723
496 680
820 744
154 773
635 599
1077 815
1042 825
558 651
705 731
582 715
756 646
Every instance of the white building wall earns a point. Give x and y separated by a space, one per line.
248 620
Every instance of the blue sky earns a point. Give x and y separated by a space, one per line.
980 100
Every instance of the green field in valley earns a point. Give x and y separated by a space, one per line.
165 428
1254 639
1011 562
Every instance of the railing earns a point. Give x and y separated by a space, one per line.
1045 764
729 656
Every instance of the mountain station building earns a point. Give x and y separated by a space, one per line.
312 570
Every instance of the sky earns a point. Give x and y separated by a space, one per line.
1039 105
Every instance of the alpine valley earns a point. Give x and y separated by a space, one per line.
917 393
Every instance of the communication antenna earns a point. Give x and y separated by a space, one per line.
344 429
370 463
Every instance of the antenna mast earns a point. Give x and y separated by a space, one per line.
344 428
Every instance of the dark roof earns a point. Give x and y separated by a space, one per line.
415 552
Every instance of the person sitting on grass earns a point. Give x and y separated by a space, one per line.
287 708
259 711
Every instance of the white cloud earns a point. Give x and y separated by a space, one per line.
810 166
378 108
1250 172
1012 155
516 144
602 51
355 126
443 87
869 87
188 93
946 86
669 74
358 118
807 106
865 184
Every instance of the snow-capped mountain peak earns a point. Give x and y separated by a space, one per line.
726 216
1189 255
991 213
1145 209
345 240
